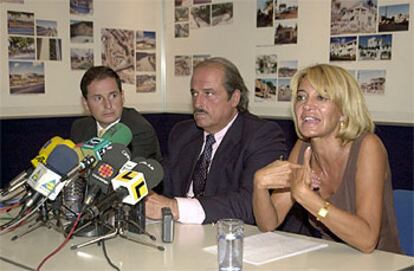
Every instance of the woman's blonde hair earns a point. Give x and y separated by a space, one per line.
340 86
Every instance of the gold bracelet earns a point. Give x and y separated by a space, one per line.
323 212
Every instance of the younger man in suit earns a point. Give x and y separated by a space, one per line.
239 143
103 97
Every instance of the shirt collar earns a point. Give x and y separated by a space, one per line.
100 129
220 134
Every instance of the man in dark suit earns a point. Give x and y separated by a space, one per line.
103 97
242 144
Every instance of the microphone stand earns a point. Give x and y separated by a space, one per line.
43 220
120 229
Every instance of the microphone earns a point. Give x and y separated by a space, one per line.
21 178
97 146
48 180
144 176
130 186
119 133
105 170
46 149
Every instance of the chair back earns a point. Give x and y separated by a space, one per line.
404 212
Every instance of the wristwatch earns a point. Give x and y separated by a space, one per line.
323 212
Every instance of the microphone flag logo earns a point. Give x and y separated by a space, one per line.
135 183
105 170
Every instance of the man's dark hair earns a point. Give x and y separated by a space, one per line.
232 80
98 73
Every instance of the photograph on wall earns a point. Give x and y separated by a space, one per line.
118 52
394 18
286 9
145 62
264 13
81 31
145 40
200 16
182 65
183 3
12 1
20 23
353 16
146 83
375 47
265 89
182 30
287 68
343 48
222 14
26 77
372 81
197 2
266 64
81 7
182 14
81 58
49 49
284 93
46 28
21 48
199 58
286 32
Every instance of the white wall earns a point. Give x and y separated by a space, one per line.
238 42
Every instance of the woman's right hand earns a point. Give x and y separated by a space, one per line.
277 174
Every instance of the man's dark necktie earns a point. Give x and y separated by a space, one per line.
201 167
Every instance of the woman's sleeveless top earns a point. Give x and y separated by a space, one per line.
344 198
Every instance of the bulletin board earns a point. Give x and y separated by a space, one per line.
247 39
267 40
65 38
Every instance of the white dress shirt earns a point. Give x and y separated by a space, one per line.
190 209
100 131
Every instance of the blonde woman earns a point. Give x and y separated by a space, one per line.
338 169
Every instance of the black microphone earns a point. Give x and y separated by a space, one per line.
130 186
100 177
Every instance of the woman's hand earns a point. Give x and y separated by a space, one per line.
278 174
301 180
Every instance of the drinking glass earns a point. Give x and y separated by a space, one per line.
230 244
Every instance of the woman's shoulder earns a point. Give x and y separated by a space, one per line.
371 140
371 144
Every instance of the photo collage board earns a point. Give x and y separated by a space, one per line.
32 42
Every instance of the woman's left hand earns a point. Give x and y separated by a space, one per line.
301 183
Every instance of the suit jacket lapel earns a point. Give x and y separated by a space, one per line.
223 154
89 130
190 158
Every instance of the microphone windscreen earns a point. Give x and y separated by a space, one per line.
68 143
62 159
79 152
119 133
116 155
152 170
46 150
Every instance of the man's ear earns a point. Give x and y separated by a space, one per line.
235 98
85 104
123 97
